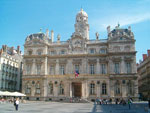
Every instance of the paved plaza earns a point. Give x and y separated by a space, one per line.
58 107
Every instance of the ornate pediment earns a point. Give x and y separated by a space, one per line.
92 61
63 61
77 61
128 58
116 59
39 61
50 61
103 60
28 61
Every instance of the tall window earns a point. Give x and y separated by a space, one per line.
61 89
28 67
104 89
117 88
128 67
102 51
37 91
117 68
62 69
130 88
103 68
38 69
52 70
77 68
50 88
39 52
30 52
28 89
62 52
92 51
92 88
92 71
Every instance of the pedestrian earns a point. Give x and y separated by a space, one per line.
129 103
17 104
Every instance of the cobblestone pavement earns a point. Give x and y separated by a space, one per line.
58 107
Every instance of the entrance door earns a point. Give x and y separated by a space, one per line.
77 89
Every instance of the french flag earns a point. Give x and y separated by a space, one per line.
76 74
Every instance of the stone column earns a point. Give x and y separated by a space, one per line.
136 89
70 89
87 89
57 67
98 90
112 88
45 65
124 90
98 67
55 89
108 88
122 66
45 87
33 70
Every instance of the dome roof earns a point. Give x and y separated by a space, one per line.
82 13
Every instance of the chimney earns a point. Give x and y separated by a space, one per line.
144 56
52 36
47 33
12 50
18 49
148 52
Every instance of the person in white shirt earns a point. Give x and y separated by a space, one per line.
17 104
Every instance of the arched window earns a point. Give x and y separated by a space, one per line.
39 52
27 88
117 88
30 52
130 88
37 90
92 88
104 89
28 68
61 89
62 52
38 69
50 88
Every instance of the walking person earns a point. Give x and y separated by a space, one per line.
17 104
129 103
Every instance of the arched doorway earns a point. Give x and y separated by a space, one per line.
77 89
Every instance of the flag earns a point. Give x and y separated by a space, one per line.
76 74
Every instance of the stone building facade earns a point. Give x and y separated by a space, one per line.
10 69
107 67
144 76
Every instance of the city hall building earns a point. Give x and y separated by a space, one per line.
106 67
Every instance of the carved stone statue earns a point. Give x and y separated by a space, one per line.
97 35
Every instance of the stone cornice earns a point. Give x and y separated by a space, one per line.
122 53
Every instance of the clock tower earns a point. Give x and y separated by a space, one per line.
81 25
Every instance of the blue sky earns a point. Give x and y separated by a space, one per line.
19 18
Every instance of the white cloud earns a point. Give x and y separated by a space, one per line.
102 23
